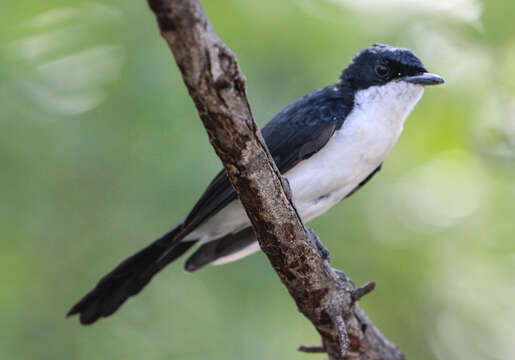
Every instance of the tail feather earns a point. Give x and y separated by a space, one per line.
130 277
225 247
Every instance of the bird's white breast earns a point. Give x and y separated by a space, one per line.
355 150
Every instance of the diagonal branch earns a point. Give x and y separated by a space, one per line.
217 87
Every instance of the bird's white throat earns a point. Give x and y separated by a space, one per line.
377 118
390 103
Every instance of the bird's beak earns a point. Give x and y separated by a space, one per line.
424 79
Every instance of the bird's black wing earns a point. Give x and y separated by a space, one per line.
295 134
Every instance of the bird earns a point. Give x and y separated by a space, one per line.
327 144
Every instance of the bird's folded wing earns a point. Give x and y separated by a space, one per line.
295 134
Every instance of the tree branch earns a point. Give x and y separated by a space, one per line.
217 87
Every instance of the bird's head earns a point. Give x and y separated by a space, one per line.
381 64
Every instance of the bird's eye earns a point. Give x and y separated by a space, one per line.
382 70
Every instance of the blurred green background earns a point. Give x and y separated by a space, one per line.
101 151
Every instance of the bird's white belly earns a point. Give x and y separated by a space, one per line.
352 154
354 151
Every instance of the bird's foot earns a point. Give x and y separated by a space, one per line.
345 278
325 255
320 246
286 187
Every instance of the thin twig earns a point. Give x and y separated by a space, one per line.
363 290
311 349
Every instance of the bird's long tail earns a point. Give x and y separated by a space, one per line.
128 278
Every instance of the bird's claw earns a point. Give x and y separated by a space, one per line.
345 278
286 187
320 246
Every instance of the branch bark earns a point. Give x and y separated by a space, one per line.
217 87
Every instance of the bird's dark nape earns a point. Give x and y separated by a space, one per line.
129 278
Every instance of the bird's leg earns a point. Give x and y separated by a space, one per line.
325 255
286 187
320 246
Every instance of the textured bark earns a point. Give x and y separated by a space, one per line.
217 87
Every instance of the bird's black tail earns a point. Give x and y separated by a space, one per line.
128 278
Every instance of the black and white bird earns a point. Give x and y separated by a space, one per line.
328 144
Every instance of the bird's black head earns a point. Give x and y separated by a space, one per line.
380 64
